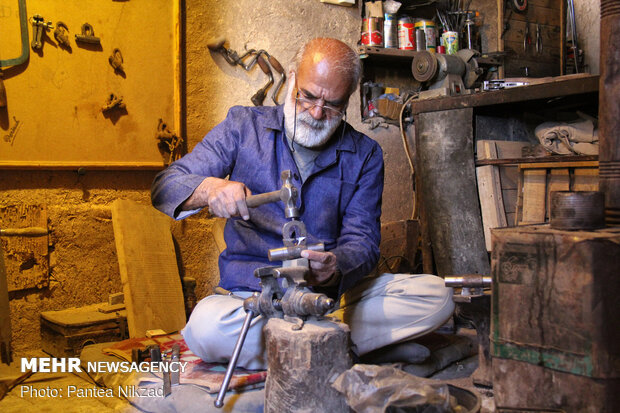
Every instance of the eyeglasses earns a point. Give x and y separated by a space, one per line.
309 103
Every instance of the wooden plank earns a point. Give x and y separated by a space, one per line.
585 179
559 180
26 258
534 196
491 201
148 267
548 165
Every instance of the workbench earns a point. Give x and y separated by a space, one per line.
444 162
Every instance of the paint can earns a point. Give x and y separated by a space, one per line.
372 31
430 32
406 39
451 42
390 32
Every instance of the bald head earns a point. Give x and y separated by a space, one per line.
326 57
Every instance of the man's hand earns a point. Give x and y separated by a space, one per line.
224 198
322 266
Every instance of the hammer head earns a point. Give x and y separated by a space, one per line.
288 195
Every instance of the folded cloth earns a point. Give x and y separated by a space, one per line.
568 138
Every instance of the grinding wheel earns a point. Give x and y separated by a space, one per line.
423 66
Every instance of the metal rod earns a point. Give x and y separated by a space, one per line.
219 401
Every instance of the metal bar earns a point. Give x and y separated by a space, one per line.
23 23
219 401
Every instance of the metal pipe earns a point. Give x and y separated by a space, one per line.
219 401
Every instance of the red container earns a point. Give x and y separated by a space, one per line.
406 34
372 31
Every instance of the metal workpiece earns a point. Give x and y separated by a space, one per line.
292 252
468 280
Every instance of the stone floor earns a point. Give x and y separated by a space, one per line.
33 394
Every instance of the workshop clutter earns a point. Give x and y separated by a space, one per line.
386 24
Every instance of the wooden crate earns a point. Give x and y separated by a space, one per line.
538 180
65 332
554 319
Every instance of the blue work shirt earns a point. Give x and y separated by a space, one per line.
340 201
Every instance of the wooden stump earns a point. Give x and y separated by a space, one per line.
302 365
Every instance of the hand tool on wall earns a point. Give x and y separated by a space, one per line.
39 27
259 96
255 56
539 40
297 302
61 34
116 60
23 24
573 28
88 35
278 68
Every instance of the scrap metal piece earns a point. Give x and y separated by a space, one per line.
39 26
61 34
113 102
116 60
175 376
88 35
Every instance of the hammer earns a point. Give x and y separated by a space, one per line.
287 194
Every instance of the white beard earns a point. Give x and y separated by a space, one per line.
310 132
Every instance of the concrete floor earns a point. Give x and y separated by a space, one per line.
31 394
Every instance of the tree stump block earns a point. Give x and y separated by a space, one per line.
303 363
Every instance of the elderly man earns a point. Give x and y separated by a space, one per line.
339 173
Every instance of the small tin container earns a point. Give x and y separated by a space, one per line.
451 42
430 32
372 31
390 31
420 40
406 39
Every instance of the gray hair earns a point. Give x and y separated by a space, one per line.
347 62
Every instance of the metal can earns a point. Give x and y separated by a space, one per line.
390 32
420 40
451 42
430 32
406 39
372 31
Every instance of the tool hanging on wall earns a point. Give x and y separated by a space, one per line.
254 56
61 34
116 60
88 35
39 27
170 145
23 24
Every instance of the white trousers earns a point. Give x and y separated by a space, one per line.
384 310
